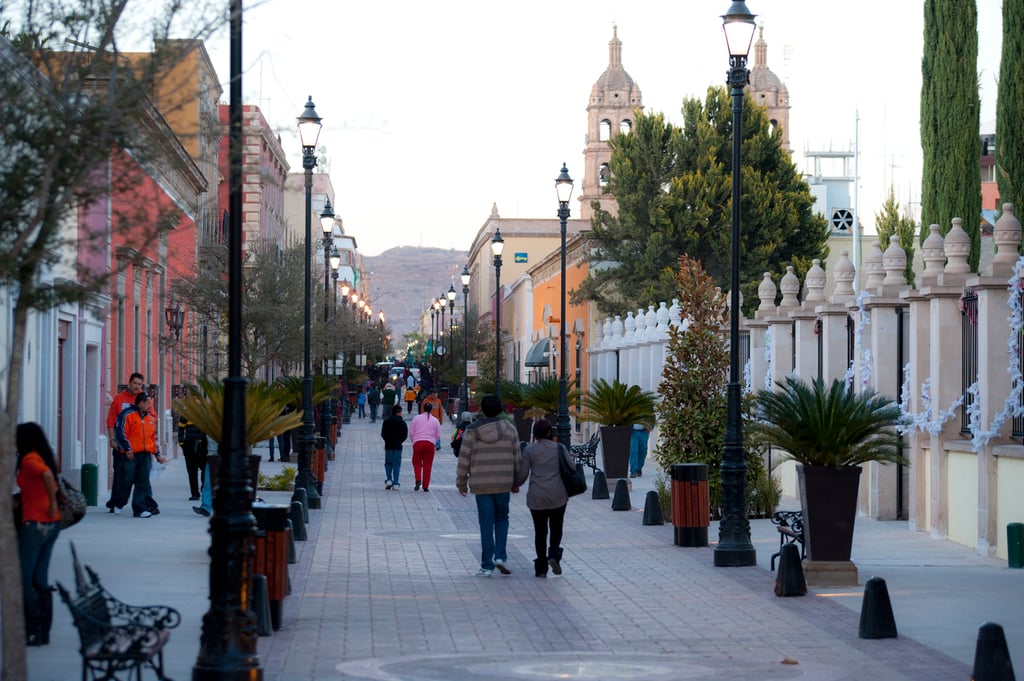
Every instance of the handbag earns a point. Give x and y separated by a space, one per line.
71 503
572 477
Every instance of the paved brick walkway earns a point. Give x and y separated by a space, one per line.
384 589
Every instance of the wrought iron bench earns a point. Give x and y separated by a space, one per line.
116 637
586 454
790 525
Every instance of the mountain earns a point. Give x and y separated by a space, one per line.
403 281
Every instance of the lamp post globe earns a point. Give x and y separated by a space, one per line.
465 277
563 191
734 547
497 246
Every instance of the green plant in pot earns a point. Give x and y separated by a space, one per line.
541 398
829 431
617 406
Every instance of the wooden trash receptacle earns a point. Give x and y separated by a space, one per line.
691 510
271 555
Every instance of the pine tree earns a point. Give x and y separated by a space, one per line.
1010 104
673 186
950 118
891 221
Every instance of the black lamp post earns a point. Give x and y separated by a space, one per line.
734 548
497 246
327 225
451 320
464 405
563 189
346 409
440 304
433 327
228 643
309 131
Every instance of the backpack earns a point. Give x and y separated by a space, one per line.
457 439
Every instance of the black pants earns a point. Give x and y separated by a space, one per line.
553 517
195 451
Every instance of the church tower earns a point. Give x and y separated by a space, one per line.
768 91
613 101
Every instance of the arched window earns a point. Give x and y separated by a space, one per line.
605 175
625 127
605 132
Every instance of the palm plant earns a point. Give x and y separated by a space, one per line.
541 398
618 404
323 389
832 427
264 406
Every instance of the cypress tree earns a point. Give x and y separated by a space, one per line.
1009 105
950 118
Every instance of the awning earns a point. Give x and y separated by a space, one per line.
540 354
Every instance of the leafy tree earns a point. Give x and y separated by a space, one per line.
891 221
1009 104
692 409
950 113
673 186
272 297
75 131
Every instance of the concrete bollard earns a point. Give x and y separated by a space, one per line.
876 618
789 580
261 605
300 495
298 523
652 509
621 501
992 656
600 490
292 556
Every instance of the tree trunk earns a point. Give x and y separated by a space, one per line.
15 664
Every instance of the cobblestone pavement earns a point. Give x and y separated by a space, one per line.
384 590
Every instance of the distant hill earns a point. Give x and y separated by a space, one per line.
405 279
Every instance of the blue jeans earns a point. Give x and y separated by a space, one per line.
35 546
136 472
362 409
206 494
492 510
638 450
392 464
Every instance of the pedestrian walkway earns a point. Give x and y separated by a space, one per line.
384 589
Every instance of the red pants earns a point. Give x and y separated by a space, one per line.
422 461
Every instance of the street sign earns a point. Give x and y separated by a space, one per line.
471 369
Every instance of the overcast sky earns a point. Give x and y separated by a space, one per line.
434 111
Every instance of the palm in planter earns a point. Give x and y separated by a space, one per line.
617 406
829 432
541 398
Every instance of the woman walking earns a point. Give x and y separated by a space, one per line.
37 533
546 497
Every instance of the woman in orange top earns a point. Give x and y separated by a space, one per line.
40 525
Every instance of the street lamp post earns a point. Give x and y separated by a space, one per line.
734 548
228 649
497 246
440 303
309 131
433 326
346 408
563 189
327 225
464 405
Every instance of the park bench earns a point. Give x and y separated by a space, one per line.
586 454
116 637
790 525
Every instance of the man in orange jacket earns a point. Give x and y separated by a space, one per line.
135 431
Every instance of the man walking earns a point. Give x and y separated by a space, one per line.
373 399
394 432
425 433
195 447
488 467
136 435
122 401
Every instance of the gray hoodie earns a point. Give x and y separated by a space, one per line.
489 457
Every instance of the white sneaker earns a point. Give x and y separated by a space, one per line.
484 572
502 567
145 514
118 509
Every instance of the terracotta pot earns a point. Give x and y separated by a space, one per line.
828 497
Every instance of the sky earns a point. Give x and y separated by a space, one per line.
432 112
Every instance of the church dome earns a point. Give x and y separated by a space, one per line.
615 86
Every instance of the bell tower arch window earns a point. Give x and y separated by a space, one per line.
605 130
626 127
605 175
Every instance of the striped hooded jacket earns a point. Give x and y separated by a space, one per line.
489 457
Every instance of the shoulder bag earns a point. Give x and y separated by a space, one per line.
572 477
70 501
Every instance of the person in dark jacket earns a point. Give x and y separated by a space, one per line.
195 447
546 497
394 431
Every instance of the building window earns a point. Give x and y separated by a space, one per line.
605 175
626 127
605 132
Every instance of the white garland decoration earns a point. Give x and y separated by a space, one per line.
768 358
858 346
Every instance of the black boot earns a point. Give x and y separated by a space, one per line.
554 558
45 614
540 567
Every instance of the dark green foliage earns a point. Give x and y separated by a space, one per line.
891 221
950 112
819 426
618 404
692 411
540 399
1009 105
673 186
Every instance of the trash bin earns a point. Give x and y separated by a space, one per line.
90 476
271 554
1015 544
691 509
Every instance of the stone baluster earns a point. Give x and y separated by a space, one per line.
766 292
957 246
814 286
845 273
1007 237
873 266
934 254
